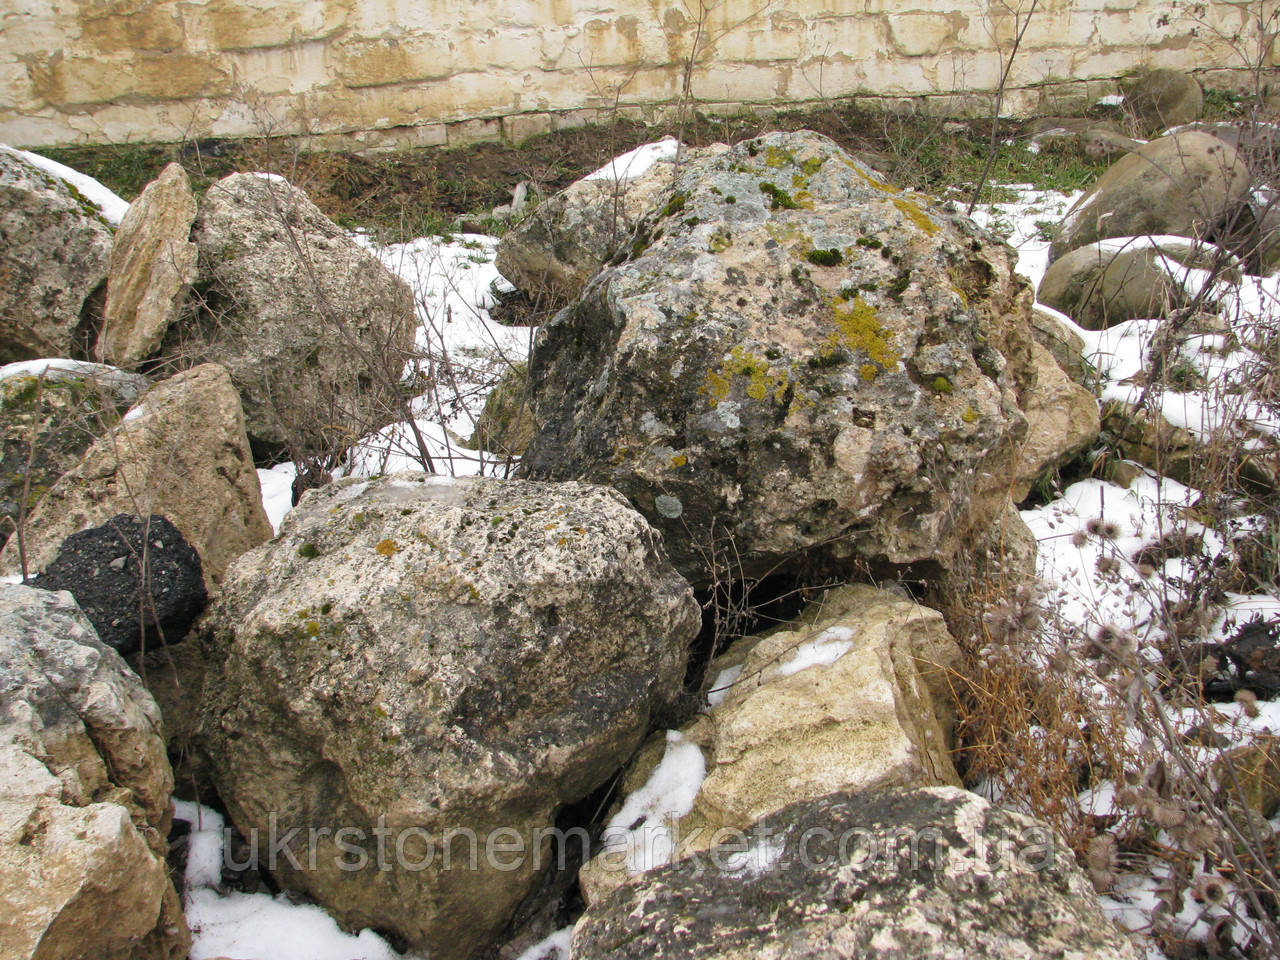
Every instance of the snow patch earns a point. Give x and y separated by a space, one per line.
822 651
635 163
111 206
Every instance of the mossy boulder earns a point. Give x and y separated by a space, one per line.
506 425
757 405
47 421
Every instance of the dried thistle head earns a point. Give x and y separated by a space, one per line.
1210 889
1079 539
1101 857
1106 529
1107 565
1248 701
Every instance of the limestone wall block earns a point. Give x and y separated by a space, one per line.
917 34
390 59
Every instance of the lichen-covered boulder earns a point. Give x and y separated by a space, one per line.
313 329
933 873
153 264
49 415
181 452
506 425
431 655
54 248
854 695
84 794
1187 184
567 238
793 357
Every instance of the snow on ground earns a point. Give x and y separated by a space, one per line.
640 833
1025 222
113 207
634 164
233 924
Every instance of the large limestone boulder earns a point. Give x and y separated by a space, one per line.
1163 98
84 795
153 264
853 696
569 237
431 655
1187 184
49 415
312 328
929 873
54 248
795 357
180 452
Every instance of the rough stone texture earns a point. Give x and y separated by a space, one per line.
47 422
444 653
309 324
569 237
1062 420
1098 285
1160 99
181 452
153 264
744 389
506 425
175 676
54 247
984 883
1064 343
106 567
880 715
84 794
1186 184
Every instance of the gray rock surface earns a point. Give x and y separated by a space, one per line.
54 248
84 794
180 451
309 324
895 875
1187 184
153 264
437 654
796 357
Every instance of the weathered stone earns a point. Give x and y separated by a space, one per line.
506 425
1063 343
314 330
107 569
1101 284
1098 138
1062 420
84 794
934 872
794 358
54 248
569 237
872 708
181 452
1163 98
153 264
1186 184
437 654
1250 774
48 419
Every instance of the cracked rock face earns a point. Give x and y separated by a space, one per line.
929 873
430 655
794 357
84 794
54 249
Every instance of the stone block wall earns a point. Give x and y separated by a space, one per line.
446 71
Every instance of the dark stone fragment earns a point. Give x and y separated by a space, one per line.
103 568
